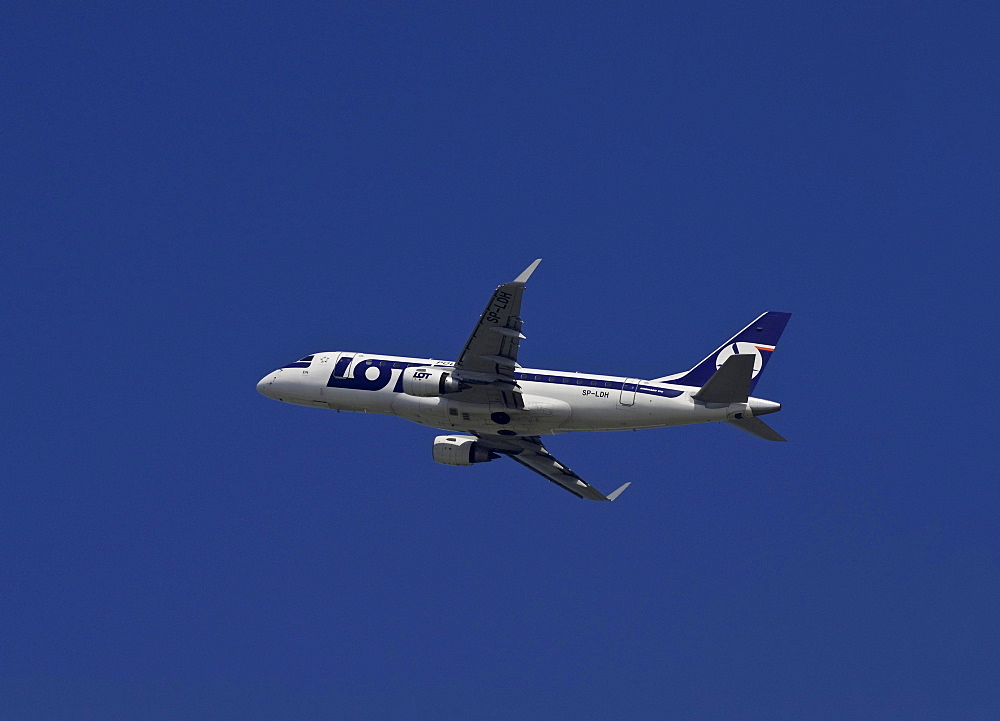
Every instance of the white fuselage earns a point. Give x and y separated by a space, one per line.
554 401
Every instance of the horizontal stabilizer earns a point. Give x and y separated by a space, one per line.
731 383
758 428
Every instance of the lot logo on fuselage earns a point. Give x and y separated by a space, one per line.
366 376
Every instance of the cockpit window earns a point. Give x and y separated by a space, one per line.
302 362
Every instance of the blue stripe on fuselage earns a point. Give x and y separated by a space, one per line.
359 380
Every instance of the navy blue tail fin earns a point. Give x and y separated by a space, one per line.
759 338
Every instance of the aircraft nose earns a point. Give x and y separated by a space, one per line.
264 385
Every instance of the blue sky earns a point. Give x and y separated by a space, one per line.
195 194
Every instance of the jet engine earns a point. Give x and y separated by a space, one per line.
461 451
429 382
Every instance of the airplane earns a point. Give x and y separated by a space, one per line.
491 406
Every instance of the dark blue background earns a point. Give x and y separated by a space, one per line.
197 193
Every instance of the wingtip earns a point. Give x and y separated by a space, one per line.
523 278
614 494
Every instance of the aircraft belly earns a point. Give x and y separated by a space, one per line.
545 411
362 401
539 416
426 411
645 412
342 399
545 415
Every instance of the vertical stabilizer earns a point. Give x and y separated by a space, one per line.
758 339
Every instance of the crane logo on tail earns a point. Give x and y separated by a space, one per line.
744 349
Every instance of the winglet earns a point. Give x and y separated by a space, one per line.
523 278
614 494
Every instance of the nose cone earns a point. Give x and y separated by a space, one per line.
264 385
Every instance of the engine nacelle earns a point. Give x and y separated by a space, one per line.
461 451
429 382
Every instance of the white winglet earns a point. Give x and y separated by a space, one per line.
523 278
614 494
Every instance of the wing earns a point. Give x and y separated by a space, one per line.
486 367
529 452
490 354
